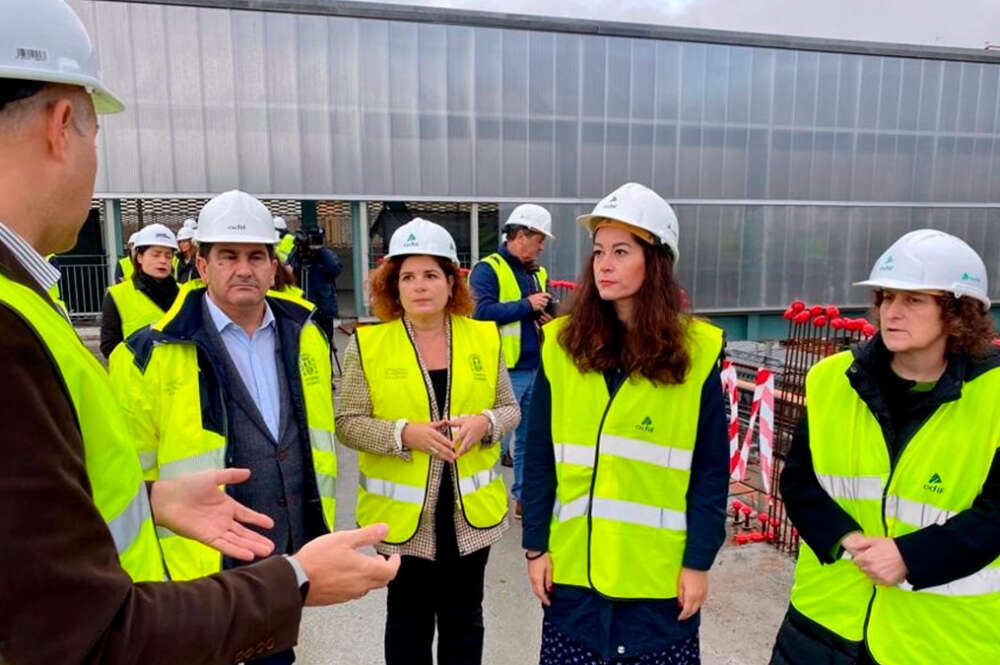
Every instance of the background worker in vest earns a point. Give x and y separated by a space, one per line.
143 298
186 268
286 241
509 288
80 567
428 440
626 468
893 476
237 377
126 267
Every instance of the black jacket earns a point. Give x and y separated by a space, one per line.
933 555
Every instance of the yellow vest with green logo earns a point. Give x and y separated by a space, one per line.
940 472
165 405
128 268
285 247
623 465
394 490
510 291
115 477
134 307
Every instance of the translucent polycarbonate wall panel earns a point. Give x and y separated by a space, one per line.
296 105
762 257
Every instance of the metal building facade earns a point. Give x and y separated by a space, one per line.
791 169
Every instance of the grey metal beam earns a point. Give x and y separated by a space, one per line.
441 15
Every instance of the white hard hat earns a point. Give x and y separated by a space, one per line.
235 216
190 223
131 238
930 260
641 207
155 235
185 233
45 41
535 217
280 224
420 236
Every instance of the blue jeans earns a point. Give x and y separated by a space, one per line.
522 380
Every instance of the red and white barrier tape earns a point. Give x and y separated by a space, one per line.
761 417
731 390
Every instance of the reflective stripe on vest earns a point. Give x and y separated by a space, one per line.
113 470
394 489
933 479
624 461
510 291
134 307
169 393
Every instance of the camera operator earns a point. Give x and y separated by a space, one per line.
316 268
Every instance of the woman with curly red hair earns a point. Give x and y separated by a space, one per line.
893 475
626 468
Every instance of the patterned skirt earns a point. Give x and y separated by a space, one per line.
557 649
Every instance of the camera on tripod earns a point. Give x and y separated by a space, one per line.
306 242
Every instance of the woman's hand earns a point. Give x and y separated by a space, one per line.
540 576
692 588
471 430
427 437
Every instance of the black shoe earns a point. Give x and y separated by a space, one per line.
507 460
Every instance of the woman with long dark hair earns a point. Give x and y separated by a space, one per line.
626 468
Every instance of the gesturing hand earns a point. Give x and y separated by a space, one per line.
428 438
471 430
193 506
337 572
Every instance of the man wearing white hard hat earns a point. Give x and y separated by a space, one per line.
81 569
893 475
236 375
144 297
126 267
510 289
186 268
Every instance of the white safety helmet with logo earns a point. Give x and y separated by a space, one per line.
131 239
420 236
930 260
45 41
155 235
185 233
190 223
641 207
532 216
235 216
280 224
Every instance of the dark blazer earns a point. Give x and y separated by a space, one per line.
63 596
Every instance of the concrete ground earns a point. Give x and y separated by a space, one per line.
748 594
747 598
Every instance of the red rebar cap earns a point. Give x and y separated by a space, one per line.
868 330
756 536
762 517
832 311
816 310
819 321
737 505
802 317
837 323
746 510
775 522
742 539
770 536
798 305
790 314
795 532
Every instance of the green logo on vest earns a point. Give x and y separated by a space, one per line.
646 425
476 364
934 484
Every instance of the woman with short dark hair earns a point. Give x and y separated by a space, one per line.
426 398
626 468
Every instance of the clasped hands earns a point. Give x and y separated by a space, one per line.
878 558
430 437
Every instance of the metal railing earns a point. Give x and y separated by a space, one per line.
83 281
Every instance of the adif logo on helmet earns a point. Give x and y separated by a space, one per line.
611 203
411 241
236 227
975 279
162 235
887 265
